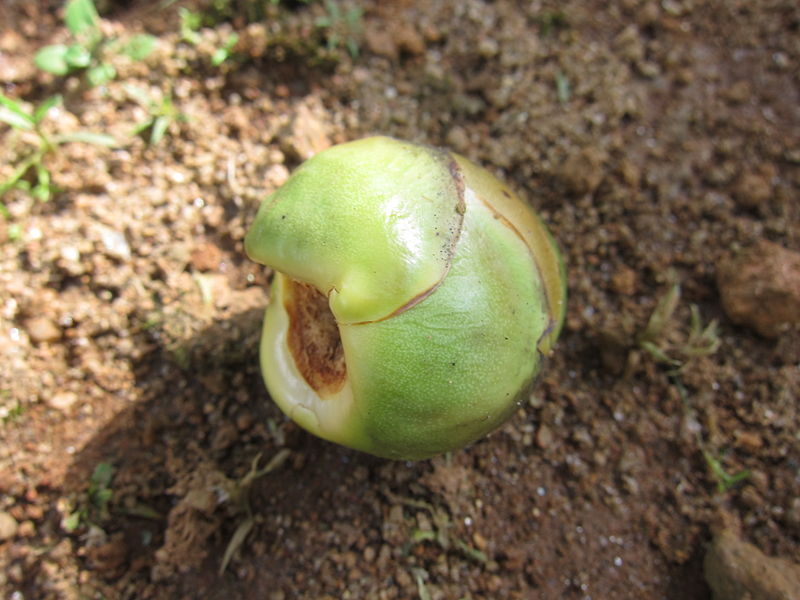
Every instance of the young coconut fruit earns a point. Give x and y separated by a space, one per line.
414 298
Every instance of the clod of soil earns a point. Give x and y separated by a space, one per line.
736 570
760 288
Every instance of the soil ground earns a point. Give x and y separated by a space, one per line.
656 139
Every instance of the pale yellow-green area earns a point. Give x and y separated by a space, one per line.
446 288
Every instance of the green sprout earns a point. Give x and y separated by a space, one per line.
238 493
700 340
422 589
222 53
87 51
341 27
93 509
10 412
218 11
551 22
162 112
414 298
441 532
190 23
725 481
15 115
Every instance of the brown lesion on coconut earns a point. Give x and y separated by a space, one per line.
313 338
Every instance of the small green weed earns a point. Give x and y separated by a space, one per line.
162 112
441 532
248 11
699 340
551 22
419 577
725 481
222 53
89 47
238 493
10 413
191 22
341 27
14 114
93 508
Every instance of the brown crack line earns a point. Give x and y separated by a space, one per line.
461 209
551 324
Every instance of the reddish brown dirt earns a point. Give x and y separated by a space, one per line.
655 138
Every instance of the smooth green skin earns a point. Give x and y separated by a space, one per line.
443 306
359 222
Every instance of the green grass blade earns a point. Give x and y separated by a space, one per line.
15 178
662 313
159 129
14 115
41 111
237 539
138 95
87 137
42 189
139 128
14 120
80 16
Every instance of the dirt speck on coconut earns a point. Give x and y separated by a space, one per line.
658 140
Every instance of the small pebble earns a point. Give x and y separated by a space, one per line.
62 401
480 542
8 526
206 257
407 39
380 42
544 437
623 281
115 244
27 529
583 171
42 330
752 190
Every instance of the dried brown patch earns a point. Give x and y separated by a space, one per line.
458 180
314 338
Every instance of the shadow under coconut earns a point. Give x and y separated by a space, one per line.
327 519
178 457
